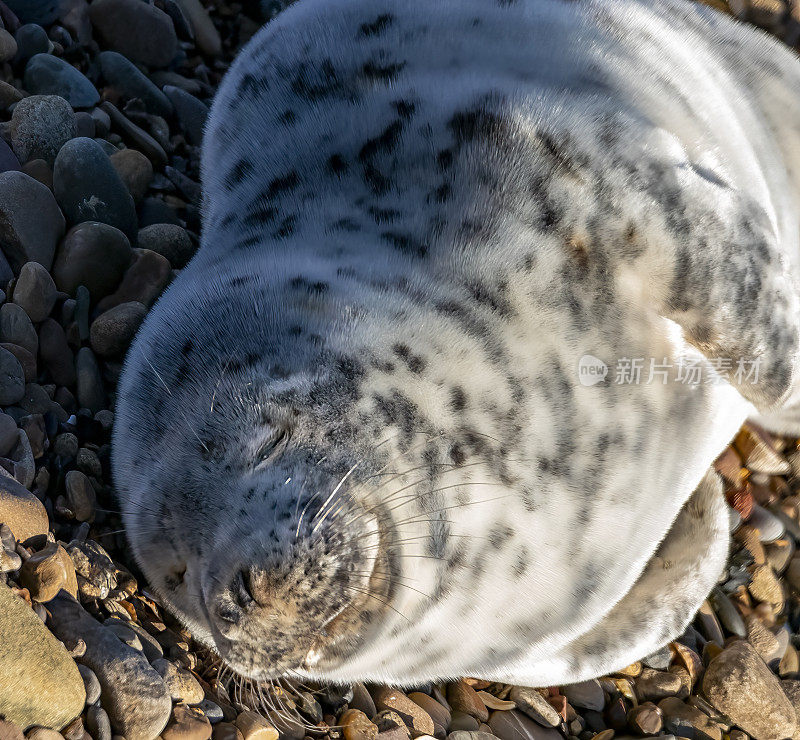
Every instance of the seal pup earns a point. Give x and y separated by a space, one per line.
352 437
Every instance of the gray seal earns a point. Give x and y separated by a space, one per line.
353 438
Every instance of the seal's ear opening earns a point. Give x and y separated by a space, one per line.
715 268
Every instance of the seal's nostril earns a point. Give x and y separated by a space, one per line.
242 588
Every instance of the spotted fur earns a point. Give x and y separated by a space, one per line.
357 410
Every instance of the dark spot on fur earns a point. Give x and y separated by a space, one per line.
405 244
280 185
378 26
337 165
376 72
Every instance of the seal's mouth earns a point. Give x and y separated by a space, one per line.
309 627
343 633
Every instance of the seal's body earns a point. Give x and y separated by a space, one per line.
352 439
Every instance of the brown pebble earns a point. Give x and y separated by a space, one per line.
226 731
461 696
438 713
646 719
362 700
414 716
514 725
46 572
255 727
653 685
356 725
187 723
463 721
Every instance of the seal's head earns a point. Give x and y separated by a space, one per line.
235 445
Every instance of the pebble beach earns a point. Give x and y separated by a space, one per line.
102 109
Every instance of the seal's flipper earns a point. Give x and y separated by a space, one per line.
661 603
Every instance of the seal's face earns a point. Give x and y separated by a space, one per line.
233 462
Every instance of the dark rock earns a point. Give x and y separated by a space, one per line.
30 220
169 240
129 82
190 112
40 125
31 40
43 12
95 255
141 32
49 75
88 188
113 331
144 281
135 170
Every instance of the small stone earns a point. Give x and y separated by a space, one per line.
779 553
81 497
769 526
182 685
88 188
790 663
128 82
211 710
463 721
12 379
97 723
586 694
94 569
229 731
206 35
30 220
25 359
532 703
462 697
48 571
43 12
686 721
91 394
40 733
168 240
727 612
462 735
55 353
90 683
255 727
654 685
738 684
139 31
35 291
40 171
46 74
362 700
191 113
187 723
113 330
138 138
40 126
438 712
17 328
8 429
415 717
750 539
134 695
646 719
66 445
41 683
8 46
95 255
84 125
765 586
135 170
31 39
24 514
513 725
143 281
356 726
